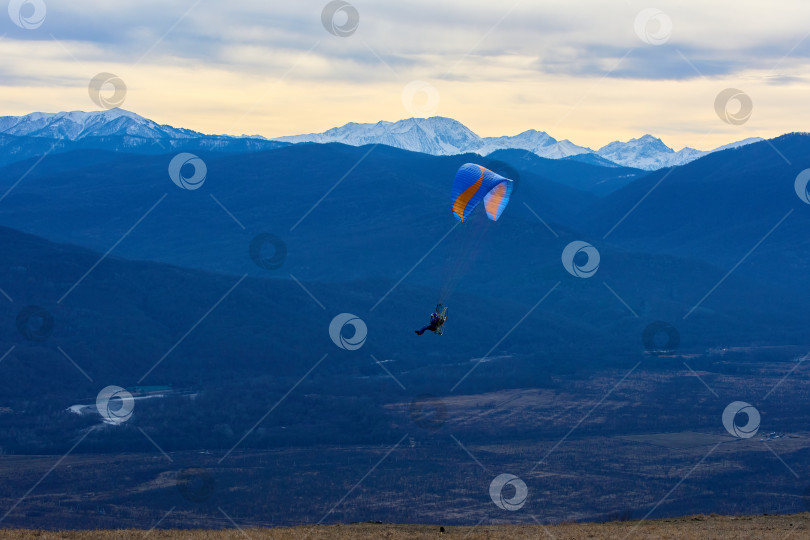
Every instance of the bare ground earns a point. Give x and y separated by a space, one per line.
784 527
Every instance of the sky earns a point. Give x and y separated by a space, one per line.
589 71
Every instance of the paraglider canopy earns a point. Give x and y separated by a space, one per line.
474 183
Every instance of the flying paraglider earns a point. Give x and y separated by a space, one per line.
474 183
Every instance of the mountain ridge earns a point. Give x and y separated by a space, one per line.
77 125
438 136
38 134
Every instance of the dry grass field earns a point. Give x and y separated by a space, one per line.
786 527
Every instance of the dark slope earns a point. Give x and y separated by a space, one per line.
717 209
377 220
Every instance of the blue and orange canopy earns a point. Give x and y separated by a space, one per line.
474 183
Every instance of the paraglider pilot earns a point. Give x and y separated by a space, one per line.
437 318
434 324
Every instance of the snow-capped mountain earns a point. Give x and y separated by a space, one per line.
77 125
115 130
650 153
439 136
537 142
647 153
445 136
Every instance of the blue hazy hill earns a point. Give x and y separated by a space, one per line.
718 208
584 172
378 213
377 220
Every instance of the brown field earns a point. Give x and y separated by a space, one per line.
656 446
694 527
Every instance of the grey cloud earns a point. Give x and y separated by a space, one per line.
416 38
665 62
784 80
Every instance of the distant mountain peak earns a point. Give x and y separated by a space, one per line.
648 142
82 116
438 135
77 125
533 132
647 152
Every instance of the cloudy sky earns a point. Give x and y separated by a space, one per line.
591 71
